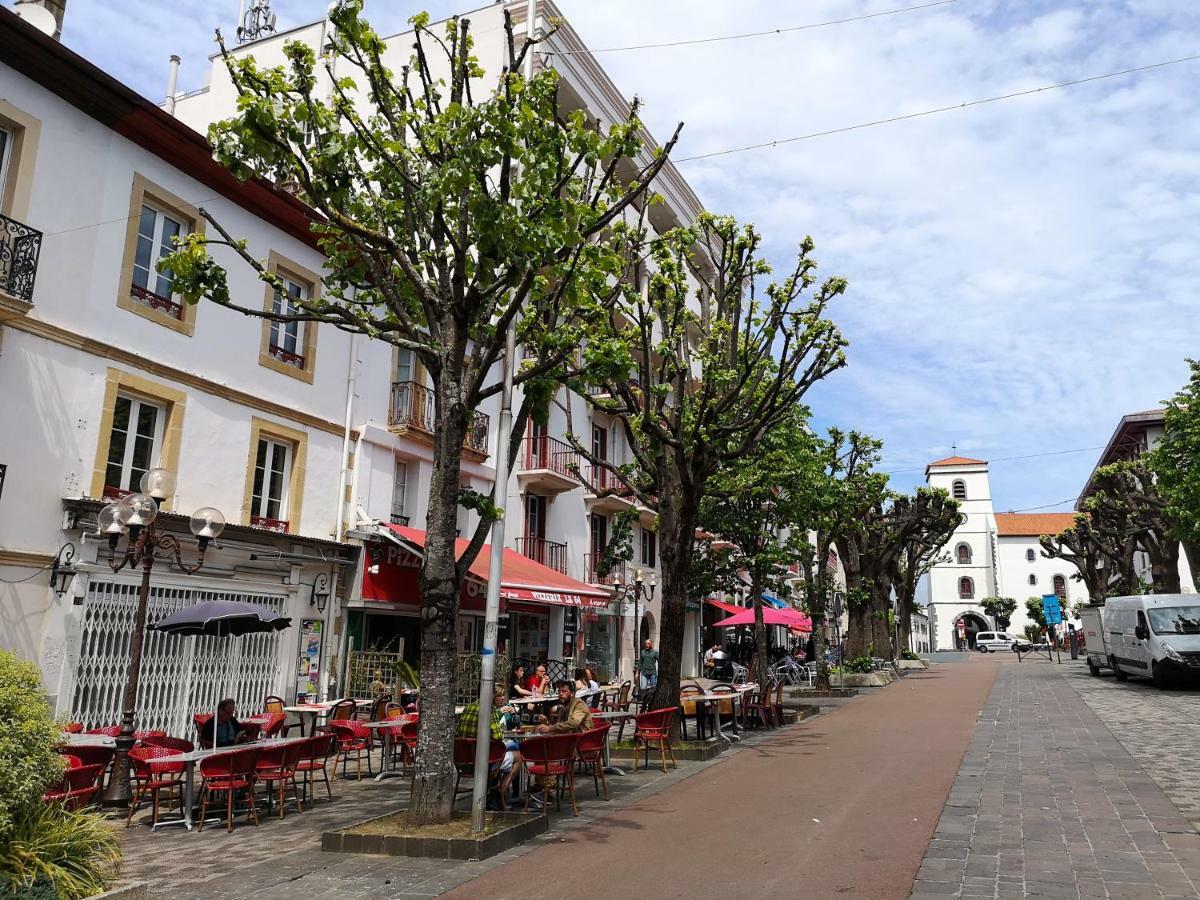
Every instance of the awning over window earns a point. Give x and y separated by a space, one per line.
521 578
725 607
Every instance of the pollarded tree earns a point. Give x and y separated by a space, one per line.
1127 494
698 366
446 213
936 516
762 505
1083 547
1175 460
848 490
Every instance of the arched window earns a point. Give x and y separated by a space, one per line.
1031 557
963 554
1033 579
959 489
1060 587
966 589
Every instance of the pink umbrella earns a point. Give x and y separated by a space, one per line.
771 616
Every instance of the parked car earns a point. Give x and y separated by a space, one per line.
1153 635
992 641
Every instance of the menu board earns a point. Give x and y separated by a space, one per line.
308 671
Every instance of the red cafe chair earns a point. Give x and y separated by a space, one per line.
353 742
277 766
151 775
654 727
590 754
228 773
76 788
551 758
314 757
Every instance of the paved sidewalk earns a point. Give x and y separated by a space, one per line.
842 805
1048 803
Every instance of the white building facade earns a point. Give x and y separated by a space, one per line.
990 555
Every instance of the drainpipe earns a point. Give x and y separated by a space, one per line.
348 421
172 80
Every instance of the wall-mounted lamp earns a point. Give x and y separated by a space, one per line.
319 592
62 569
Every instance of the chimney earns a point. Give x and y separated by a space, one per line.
172 80
56 8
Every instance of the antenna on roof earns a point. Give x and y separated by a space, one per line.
256 21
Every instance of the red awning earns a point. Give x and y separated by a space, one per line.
725 607
521 578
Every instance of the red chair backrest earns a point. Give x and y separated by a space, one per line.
593 741
235 762
107 730
93 756
273 704
73 762
656 719
144 760
317 747
146 735
464 752
551 748
274 722
272 757
342 710
409 731
171 743
73 728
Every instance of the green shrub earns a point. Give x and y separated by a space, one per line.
28 736
908 654
51 851
860 664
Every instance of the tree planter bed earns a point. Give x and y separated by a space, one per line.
391 835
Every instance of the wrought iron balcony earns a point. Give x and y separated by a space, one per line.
156 301
20 246
591 564
412 409
548 553
548 465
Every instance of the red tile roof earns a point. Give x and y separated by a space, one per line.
958 461
1032 524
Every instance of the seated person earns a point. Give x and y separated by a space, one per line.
517 686
572 714
539 682
229 732
581 681
468 724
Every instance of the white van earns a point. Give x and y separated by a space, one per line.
1093 636
1156 635
992 641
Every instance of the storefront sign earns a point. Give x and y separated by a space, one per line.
308 673
398 580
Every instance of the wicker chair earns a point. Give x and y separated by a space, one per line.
151 775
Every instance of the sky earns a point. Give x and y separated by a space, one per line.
1021 273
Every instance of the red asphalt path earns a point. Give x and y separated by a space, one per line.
842 805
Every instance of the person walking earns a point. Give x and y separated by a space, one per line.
648 666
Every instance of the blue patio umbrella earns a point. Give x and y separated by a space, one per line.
222 618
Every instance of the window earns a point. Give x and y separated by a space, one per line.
287 339
1030 556
6 143
19 133
1033 579
156 218
274 476
156 235
400 494
404 365
599 442
289 348
535 517
272 470
963 554
966 589
959 489
1060 587
134 444
140 427
649 547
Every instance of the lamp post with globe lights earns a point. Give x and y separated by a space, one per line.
135 517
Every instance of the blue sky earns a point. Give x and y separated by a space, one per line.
1021 274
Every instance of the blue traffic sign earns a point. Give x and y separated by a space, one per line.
1052 609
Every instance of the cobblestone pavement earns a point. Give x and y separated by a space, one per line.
1160 729
1048 803
282 859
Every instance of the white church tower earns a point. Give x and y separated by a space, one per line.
957 585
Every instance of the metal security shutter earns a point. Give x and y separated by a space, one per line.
180 675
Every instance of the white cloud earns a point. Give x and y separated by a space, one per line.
1021 273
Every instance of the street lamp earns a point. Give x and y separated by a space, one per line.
638 590
134 516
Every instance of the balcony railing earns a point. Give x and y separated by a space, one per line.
156 301
615 575
605 481
280 525
545 452
20 246
548 553
413 407
287 357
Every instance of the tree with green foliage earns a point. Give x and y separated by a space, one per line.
1175 461
849 487
1036 612
936 517
446 214
1083 547
1126 493
762 505
699 365
1000 609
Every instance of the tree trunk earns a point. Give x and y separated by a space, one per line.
760 630
1191 550
817 590
677 535
881 629
432 798
908 595
1164 566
